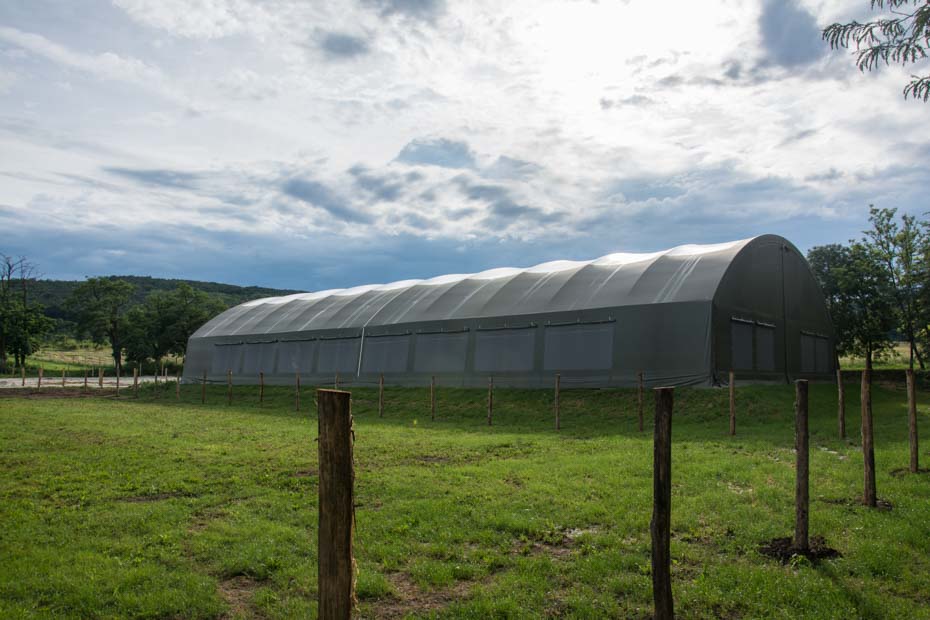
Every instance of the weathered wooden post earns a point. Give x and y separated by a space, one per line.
912 419
432 398
869 497
177 387
22 371
490 399
558 404
732 403
203 388
336 570
802 477
100 377
85 380
135 382
381 396
39 384
228 387
62 377
297 390
660 527
841 404
261 388
639 398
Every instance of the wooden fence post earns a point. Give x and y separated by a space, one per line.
802 477
177 387
558 403
336 569
912 419
732 403
841 404
203 388
85 380
39 385
100 377
490 399
432 398
118 368
22 371
660 528
261 388
869 497
381 396
135 382
639 398
228 386
62 377
297 391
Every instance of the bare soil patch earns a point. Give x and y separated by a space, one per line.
410 598
238 592
783 550
904 471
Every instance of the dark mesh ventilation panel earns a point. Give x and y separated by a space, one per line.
741 345
440 352
296 356
385 354
338 355
259 357
808 353
765 348
579 347
822 354
505 350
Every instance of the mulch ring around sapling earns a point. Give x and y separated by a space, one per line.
783 550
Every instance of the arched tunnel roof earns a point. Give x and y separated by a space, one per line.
681 274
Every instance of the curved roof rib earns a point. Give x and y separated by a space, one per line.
683 273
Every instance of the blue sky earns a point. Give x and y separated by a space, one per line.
313 145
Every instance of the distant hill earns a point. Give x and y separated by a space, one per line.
53 293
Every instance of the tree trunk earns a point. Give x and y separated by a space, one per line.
869 496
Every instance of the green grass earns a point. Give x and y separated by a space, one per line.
154 508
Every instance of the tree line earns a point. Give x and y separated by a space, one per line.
107 310
877 287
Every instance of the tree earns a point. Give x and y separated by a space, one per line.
101 305
858 297
902 37
163 323
899 252
22 322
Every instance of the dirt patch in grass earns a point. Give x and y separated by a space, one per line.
904 471
237 592
410 598
557 545
783 550
306 473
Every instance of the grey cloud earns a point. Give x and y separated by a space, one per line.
440 152
321 196
511 168
790 36
798 136
382 187
644 189
503 210
830 175
419 9
341 45
632 100
174 179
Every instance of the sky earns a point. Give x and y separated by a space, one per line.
315 145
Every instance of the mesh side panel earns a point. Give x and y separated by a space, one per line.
385 354
259 357
505 350
338 355
440 352
219 362
579 347
741 343
808 353
765 348
822 354
296 356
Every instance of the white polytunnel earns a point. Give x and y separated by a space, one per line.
685 316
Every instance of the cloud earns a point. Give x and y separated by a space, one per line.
173 179
381 187
419 9
440 152
319 195
340 45
502 208
206 19
511 168
632 100
790 36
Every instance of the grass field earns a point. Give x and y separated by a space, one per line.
154 508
